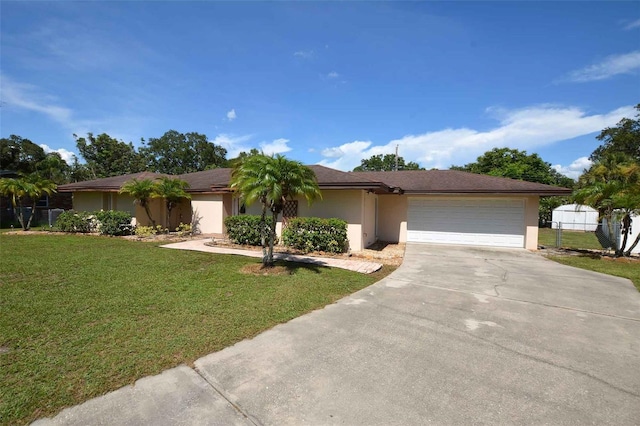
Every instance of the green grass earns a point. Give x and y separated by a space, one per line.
570 239
83 315
621 267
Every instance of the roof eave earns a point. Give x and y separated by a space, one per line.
490 192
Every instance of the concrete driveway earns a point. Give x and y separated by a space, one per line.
455 336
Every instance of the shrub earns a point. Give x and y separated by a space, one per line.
184 229
113 222
245 229
73 221
315 234
148 231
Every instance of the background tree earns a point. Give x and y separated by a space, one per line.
386 163
20 155
173 191
79 172
54 168
624 138
233 161
273 180
21 190
142 191
106 156
179 153
515 164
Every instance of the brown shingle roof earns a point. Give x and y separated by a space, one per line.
110 184
458 182
409 181
205 180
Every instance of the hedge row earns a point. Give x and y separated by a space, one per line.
303 233
244 229
315 234
109 222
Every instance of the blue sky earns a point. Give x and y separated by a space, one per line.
327 83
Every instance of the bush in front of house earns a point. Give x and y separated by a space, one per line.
109 222
316 234
73 221
114 223
244 229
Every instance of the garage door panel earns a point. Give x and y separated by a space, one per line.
485 222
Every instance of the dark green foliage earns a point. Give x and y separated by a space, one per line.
177 153
107 156
515 164
73 221
20 155
622 139
387 163
244 229
114 223
315 234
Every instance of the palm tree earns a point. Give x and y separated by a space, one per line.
142 191
30 187
611 186
172 190
272 180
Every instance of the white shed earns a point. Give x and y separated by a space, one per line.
575 217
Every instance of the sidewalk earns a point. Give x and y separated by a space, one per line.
349 264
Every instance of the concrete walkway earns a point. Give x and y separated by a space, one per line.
455 336
350 264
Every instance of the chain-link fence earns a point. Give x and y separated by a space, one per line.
586 235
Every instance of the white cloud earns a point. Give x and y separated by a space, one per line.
31 98
277 146
632 25
304 54
524 129
575 169
65 154
26 96
231 115
333 74
626 63
233 144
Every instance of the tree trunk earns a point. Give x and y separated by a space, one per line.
626 225
18 206
263 234
148 212
612 237
272 237
33 210
169 207
635 243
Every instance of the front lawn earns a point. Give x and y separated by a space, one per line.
570 239
83 315
620 267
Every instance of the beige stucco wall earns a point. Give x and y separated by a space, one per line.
348 205
209 211
531 212
369 218
125 203
157 210
87 201
392 218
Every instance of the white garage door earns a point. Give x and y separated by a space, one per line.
469 221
